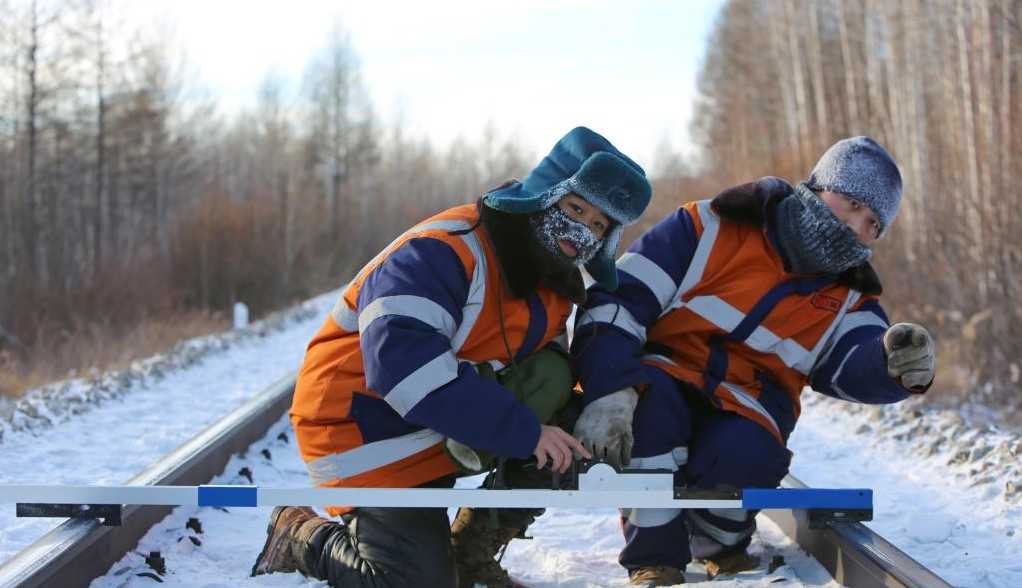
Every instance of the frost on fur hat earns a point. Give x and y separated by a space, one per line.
862 169
587 164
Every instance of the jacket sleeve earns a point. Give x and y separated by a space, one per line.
610 329
853 366
409 309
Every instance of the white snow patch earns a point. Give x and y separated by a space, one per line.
115 435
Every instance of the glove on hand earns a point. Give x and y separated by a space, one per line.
910 355
605 426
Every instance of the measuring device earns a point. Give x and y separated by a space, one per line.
587 484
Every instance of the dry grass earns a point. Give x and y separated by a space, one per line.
101 348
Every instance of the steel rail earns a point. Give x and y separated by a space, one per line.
80 550
852 553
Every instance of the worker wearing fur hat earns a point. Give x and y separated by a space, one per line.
443 352
726 310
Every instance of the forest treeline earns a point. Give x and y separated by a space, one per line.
126 197
938 83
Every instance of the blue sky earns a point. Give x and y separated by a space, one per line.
533 68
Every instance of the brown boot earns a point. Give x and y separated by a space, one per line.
277 555
730 563
650 576
476 543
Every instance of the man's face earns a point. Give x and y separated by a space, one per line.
856 215
580 210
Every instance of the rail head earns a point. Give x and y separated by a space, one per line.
855 555
93 548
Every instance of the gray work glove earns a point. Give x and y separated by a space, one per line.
605 426
910 355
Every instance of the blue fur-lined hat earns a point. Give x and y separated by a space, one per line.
862 169
587 164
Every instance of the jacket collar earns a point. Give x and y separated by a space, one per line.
753 204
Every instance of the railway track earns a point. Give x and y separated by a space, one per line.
80 550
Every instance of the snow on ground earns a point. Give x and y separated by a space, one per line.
570 548
109 430
948 494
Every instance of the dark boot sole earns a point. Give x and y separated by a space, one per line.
277 511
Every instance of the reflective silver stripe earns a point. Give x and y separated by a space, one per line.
649 273
345 318
417 307
844 325
711 226
665 461
662 358
477 288
762 339
440 225
821 352
837 374
370 456
719 535
655 517
416 385
476 292
717 311
618 315
748 401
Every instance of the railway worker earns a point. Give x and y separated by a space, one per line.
726 309
441 352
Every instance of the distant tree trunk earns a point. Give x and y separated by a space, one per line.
100 171
823 122
974 196
30 225
849 66
806 152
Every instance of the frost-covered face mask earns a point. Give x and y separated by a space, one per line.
554 225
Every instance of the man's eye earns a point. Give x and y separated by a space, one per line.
576 208
855 204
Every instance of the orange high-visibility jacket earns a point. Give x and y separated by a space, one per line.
707 300
390 374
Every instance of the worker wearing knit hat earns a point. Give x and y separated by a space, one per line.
727 310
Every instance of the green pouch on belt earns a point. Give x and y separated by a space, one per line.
543 382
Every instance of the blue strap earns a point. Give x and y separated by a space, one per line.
717 363
759 312
716 366
537 326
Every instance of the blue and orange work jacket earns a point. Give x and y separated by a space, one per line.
708 300
390 373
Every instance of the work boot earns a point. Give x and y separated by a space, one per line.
728 563
476 543
287 525
650 576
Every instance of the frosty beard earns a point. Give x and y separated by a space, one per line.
553 225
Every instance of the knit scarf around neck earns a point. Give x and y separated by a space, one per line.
812 239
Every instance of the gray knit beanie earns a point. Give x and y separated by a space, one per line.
862 169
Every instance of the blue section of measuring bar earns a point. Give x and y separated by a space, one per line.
227 496
806 498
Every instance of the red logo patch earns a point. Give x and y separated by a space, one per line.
824 302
